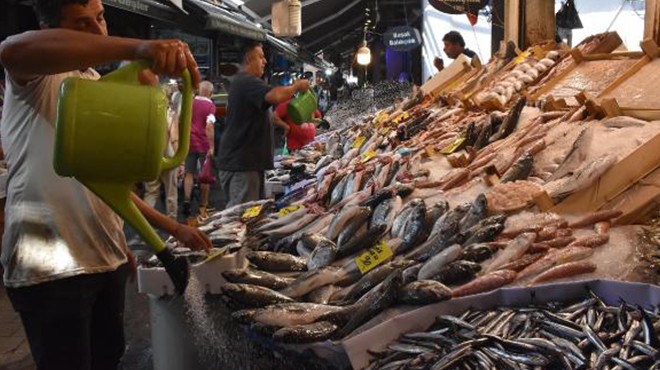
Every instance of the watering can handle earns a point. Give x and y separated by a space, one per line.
185 118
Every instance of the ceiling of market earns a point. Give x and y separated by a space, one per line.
335 28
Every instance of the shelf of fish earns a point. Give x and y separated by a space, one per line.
586 325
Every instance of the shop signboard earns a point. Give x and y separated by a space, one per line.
402 38
459 6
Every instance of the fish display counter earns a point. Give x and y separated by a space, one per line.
435 201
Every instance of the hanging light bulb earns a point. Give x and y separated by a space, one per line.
364 54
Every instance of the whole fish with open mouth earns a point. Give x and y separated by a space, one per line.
251 296
453 216
488 221
485 234
423 292
435 212
401 219
436 243
414 230
362 241
256 277
478 252
457 272
285 314
276 262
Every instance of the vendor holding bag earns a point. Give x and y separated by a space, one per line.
297 136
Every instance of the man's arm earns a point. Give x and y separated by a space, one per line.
189 236
279 94
279 122
53 51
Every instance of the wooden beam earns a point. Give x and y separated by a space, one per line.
539 21
652 21
512 20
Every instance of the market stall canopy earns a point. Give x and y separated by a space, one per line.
334 27
221 19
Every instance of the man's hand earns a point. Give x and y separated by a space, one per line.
132 266
286 129
439 63
302 85
192 238
210 153
169 57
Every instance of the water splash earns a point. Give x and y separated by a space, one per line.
204 331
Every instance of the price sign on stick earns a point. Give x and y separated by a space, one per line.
252 212
290 209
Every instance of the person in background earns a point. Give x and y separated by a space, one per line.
297 136
167 178
201 147
454 46
64 251
246 147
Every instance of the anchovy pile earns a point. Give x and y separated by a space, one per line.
587 335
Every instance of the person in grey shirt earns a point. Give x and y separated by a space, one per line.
246 147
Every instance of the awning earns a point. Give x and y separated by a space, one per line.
148 8
220 19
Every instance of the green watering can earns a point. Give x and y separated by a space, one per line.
110 134
302 107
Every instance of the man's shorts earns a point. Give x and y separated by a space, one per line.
194 162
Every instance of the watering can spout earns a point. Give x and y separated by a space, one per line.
111 134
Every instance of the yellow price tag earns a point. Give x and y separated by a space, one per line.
290 209
382 116
373 257
357 144
252 212
366 156
453 146
430 150
521 58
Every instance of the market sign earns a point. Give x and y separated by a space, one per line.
459 6
149 8
402 38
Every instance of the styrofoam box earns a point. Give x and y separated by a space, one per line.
156 281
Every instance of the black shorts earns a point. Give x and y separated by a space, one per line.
194 162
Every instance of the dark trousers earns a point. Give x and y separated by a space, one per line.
238 187
75 323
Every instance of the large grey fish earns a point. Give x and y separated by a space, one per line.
338 191
492 220
478 211
323 254
276 262
285 314
252 296
386 211
414 231
373 278
401 219
351 228
375 200
520 170
424 292
310 333
324 161
445 237
256 277
350 184
514 250
323 295
433 266
457 272
436 211
363 241
375 301
292 227
313 280
452 217
485 234
343 218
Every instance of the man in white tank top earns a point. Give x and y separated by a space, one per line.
64 252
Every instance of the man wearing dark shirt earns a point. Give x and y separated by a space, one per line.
246 147
454 46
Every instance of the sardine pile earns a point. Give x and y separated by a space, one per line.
587 335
